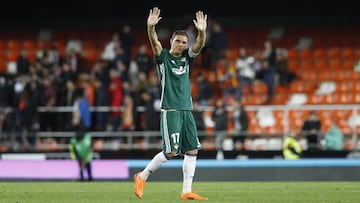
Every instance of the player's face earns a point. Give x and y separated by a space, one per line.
178 44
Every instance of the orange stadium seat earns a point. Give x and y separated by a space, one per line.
315 99
307 74
292 54
336 64
334 52
325 75
344 86
348 64
331 99
29 44
92 55
305 54
14 45
348 53
356 86
280 99
259 88
293 64
346 98
319 53
321 64
306 64
13 55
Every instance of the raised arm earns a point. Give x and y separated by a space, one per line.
153 19
200 24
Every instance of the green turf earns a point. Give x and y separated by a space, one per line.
249 192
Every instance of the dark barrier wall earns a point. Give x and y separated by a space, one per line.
261 170
262 174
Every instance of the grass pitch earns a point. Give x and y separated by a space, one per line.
249 192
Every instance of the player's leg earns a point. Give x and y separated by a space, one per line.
81 171
88 170
189 145
169 126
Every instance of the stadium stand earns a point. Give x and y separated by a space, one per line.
325 69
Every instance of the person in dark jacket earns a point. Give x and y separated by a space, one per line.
311 129
240 123
220 118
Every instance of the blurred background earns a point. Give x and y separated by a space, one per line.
302 57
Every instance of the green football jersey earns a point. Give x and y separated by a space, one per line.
83 147
174 77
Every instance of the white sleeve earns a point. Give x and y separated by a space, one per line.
192 54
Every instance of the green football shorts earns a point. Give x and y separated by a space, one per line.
178 131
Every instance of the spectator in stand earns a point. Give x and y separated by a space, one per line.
101 100
66 73
152 103
205 93
334 138
81 116
217 43
151 98
129 108
89 90
311 129
75 60
220 118
240 121
116 99
143 60
285 76
227 78
122 63
199 116
48 120
101 70
139 89
127 39
109 50
246 72
268 69
69 99
26 116
23 62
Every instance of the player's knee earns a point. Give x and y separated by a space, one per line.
192 153
170 155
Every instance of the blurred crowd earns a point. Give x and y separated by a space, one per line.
123 80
